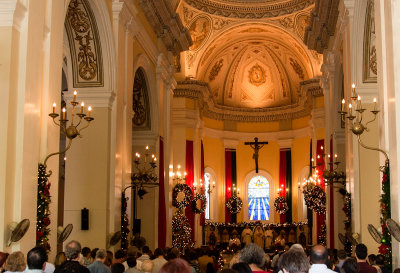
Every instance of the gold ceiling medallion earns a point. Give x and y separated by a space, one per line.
257 75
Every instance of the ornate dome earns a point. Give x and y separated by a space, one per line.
255 66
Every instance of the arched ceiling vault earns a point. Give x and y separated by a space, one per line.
250 54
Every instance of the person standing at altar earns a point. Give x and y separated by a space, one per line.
259 235
268 238
246 235
234 241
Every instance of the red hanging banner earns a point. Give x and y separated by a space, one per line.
228 183
189 163
282 180
162 217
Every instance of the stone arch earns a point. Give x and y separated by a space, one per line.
142 61
96 44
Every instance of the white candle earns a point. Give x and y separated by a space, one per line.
350 108
63 113
82 104
75 93
375 104
89 110
343 103
54 107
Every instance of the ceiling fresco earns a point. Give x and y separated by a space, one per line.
250 53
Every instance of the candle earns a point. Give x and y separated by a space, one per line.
147 147
350 108
82 104
89 110
75 93
155 159
54 107
358 102
63 113
374 104
353 90
343 103
322 147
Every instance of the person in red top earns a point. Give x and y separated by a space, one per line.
361 255
254 256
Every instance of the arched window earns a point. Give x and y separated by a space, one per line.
207 184
258 198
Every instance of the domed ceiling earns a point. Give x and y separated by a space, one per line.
250 54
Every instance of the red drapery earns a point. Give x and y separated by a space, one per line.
320 168
228 183
202 215
162 217
331 207
189 163
282 180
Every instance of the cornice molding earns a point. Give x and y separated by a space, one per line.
167 24
93 98
322 25
245 136
200 91
253 10
7 8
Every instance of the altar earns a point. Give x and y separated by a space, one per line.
267 236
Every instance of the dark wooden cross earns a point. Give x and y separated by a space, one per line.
256 145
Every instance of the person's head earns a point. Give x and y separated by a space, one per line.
93 253
319 255
120 256
210 268
3 258
146 250
350 266
86 252
380 259
242 268
298 247
361 252
101 255
72 250
15 262
60 259
176 266
131 261
341 254
158 252
147 266
36 258
109 258
372 259
397 270
252 254
294 261
117 268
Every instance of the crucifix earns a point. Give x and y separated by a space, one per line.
256 145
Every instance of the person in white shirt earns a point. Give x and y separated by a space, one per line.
141 259
319 259
159 261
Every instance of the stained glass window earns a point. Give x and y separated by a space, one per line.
258 197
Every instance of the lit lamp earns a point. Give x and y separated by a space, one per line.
70 129
356 121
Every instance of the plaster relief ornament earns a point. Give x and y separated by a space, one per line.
215 69
257 75
297 68
199 30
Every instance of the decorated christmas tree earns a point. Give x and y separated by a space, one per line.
43 212
181 231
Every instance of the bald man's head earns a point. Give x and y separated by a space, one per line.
319 255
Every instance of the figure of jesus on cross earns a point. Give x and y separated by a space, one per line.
256 147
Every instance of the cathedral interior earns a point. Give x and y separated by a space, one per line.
122 117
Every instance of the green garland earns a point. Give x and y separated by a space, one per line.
124 222
386 247
43 212
181 231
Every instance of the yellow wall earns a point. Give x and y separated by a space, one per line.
300 159
261 127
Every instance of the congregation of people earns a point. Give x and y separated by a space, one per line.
250 259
